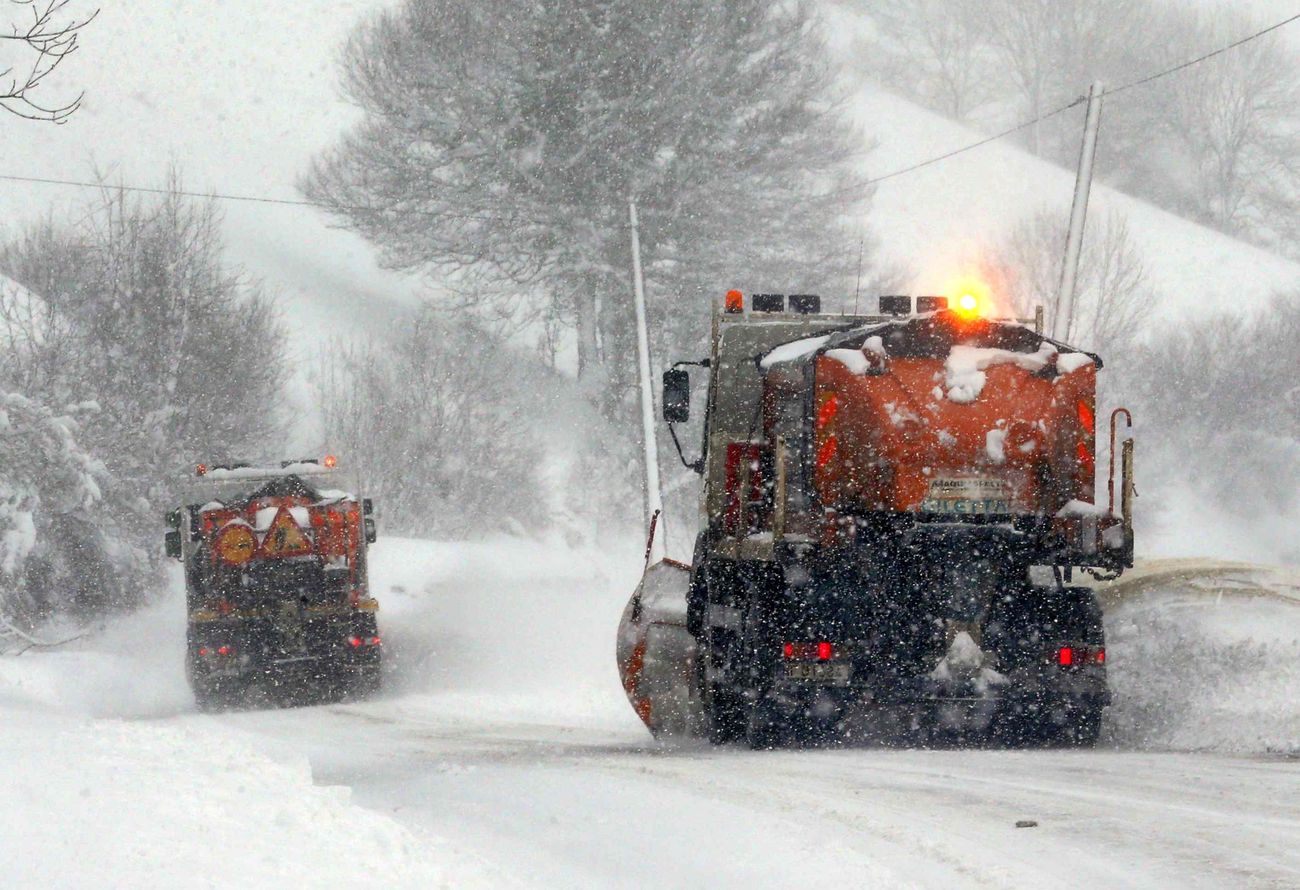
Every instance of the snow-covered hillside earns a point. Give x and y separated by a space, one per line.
933 221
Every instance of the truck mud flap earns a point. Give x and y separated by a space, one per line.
656 654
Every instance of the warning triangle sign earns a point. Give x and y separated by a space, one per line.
284 537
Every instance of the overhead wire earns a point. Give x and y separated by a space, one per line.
1080 100
1023 125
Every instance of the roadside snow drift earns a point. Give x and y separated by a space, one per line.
115 804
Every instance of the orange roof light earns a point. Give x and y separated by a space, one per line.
735 301
330 462
968 304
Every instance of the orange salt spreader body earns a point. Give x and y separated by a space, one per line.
893 509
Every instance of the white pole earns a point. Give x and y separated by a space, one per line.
653 498
1078 217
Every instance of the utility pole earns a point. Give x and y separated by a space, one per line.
1078 217
653 498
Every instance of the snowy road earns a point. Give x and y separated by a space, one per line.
562 807
503 751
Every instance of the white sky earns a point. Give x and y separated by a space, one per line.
241 94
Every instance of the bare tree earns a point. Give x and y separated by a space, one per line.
36 45
1112 298
1235 129
936 51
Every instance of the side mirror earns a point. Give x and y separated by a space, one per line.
172 544
677 396
173 518
372 533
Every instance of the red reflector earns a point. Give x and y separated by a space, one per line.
825 651
1065 656
1099 656
1084 453
826 453
224 650
829 409
1086 418
354 642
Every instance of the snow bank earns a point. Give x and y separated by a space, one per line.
1209 660
114 804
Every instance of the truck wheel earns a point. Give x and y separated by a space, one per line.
1080 727
725 715
764 727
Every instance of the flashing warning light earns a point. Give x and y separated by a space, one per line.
968 304
330 462
735 301
235 544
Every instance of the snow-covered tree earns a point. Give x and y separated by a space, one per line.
139 315
441 424
47 483
502 139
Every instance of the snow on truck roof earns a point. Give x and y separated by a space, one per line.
933 334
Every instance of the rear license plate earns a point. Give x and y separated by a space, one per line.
819 672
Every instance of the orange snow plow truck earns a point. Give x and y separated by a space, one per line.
893 510
275 582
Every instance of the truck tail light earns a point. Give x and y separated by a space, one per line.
354 642
819 651
1077 656
225 650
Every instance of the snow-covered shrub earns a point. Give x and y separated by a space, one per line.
47 485
182 360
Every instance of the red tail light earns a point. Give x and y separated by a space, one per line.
354 642
1077 656
820 651
224 650
374 641
204 651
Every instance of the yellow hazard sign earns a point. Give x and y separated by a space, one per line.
284 537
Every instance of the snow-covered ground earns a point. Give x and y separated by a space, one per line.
503 753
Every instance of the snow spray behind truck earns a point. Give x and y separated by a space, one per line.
893 507
275 582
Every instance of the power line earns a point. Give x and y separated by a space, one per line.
1080 101
985 141
1220 51
290 202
